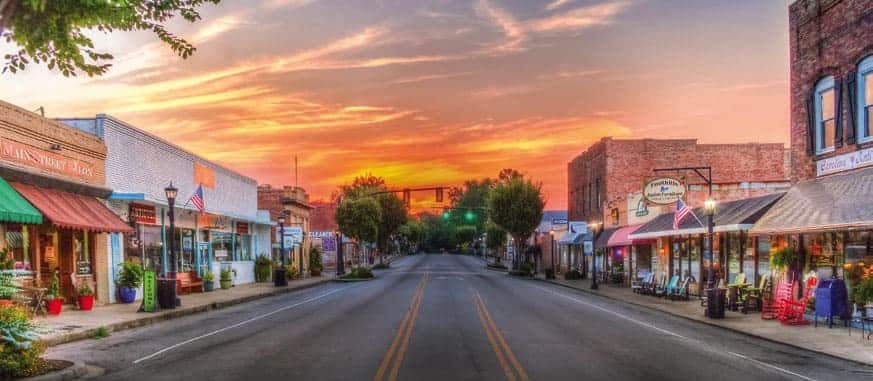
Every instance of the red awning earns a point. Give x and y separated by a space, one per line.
72 211
620 237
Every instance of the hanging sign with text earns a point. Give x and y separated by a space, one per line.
44 160
143 214
858 159
149 291
663 191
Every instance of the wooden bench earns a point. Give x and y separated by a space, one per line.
187 282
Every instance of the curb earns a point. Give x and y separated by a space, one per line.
337 280
75 371
505 271
709 323
174 314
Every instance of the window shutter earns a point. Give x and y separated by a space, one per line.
852 91
838 114
810 128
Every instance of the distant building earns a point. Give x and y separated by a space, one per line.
294 203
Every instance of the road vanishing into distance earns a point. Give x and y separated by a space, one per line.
445 317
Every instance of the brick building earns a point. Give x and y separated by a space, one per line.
294 203
828 215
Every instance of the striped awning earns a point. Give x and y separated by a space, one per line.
14 208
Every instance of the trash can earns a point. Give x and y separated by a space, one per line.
167 293
715 303
279 279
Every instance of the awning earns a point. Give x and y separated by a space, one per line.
14 208
835 202
570 238
620 237
604 237
72 211
730 216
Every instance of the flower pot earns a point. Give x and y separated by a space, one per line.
225 284
86 302
54 306
126 295
315 272
5 303
208 285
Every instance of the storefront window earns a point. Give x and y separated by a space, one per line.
749 258
824 251
695 252
80 252
15 246
185 248
221 243
152 247
243 247
764 247
859 246
733 255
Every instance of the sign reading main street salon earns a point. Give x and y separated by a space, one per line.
44 160
845 162
663 191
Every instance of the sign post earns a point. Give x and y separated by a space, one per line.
149 295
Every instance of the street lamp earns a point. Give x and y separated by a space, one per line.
595 228
168 297
709 210
340 264
552 251
279 279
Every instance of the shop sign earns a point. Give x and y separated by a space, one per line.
49 253
44 160
328 244
853 160
588 247
559 221
143 214
212 221
580 227
663 191
149 294
242 228
321 234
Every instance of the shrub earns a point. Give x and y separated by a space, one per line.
359 273
315 258
226 274
497 265
381 266
19 350
7 288
208 276
54 290
84 290
263 268
130 276
864 292
100 333
572 275
519 273
290 272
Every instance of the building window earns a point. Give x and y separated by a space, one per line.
825 117
865 100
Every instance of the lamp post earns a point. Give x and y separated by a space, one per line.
594 227
167 298
279 279
340 262
552 252
709 210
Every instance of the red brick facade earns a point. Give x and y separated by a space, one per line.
827 38
620 167
323 217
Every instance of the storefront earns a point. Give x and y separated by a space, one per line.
635 256
53 189
681 251
228 233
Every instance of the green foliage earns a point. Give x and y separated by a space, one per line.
496 265
130 276
495 237
54 290
359 218
7 287
359 273
381 266
863 292
263 268
290 272
410 235
20 351
208 276
84 289
783 258
100 333
7 261
572 274
392 216
51 32
516 206
438 233
467 234
467 203
315 258
226 274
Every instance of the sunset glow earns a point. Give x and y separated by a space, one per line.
427 94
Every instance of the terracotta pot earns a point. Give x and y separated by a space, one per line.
54 306
5 303
86 302
315 272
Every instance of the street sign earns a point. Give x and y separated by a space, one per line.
559 221
149 291
663 191
588 247
580 227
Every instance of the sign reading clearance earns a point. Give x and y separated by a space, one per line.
45 160
845 162
665 190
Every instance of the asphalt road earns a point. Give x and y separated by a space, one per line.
444 317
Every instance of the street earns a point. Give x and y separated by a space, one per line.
444 317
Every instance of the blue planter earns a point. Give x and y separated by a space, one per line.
126 295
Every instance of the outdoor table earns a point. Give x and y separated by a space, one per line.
734 295
36 302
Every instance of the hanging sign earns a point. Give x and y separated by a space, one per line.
663 191
242 228
149 294
143 214
33 157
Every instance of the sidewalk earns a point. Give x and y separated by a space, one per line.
834 342
73 325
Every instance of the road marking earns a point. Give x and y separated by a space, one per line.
397 349
647 325
244 322
498 343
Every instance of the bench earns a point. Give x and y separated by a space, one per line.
187 282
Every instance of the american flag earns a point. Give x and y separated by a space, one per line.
682 211
197 199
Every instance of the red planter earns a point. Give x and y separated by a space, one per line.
5 303
53 307
86 303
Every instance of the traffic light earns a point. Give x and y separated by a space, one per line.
469 216
406 197
447 214
439 195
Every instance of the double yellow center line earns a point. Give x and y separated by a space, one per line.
508 362
394 357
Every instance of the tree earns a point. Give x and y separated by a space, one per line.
392 211
51 32
495 238
359 218
438 233
516 206
410 235
466 234
468 203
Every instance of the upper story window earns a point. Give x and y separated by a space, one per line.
865 100
825 115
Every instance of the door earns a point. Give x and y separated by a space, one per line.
202 261
66 264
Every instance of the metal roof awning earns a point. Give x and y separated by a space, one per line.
621 237
571 238
730 216
836 202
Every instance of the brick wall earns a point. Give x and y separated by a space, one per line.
827 38
323 216
738 170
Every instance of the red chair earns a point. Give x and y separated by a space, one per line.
772 306
792 310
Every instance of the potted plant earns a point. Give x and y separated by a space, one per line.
7 289
226 278
263 268
208 281
782 259
315 266
290 272
53 300
129 280
864 296
85 297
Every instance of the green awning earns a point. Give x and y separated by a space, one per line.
14 208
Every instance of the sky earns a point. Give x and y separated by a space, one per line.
430 93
